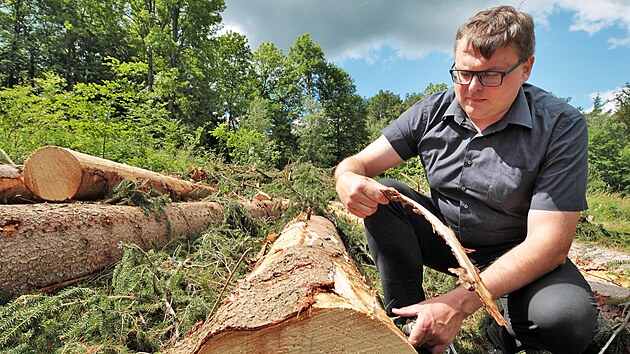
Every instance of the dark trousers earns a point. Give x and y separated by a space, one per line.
556 312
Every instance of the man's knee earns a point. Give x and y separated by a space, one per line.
561 318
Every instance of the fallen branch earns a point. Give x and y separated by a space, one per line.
468 273
6 157
620 328
227 282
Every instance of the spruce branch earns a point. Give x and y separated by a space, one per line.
227 282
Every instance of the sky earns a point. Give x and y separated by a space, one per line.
582 46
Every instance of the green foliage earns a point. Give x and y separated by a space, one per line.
596 233
410 172
247 146
412 98
130 192
609 148
312 135
382 109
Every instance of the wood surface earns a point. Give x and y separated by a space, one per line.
57 174
305 296
45 243
468 274
12 187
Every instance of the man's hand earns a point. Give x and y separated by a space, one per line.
357 190
438 320
360 194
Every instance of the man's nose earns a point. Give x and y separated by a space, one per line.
475 83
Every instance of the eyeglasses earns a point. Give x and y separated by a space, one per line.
486 78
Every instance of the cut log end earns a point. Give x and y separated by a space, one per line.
53 173
334 330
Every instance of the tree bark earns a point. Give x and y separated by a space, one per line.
45 244
305 296
12 188
57 174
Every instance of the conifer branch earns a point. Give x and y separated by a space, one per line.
227 282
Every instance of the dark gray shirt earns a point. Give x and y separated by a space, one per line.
485 183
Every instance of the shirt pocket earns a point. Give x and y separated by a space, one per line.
511 188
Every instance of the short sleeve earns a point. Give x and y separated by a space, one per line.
405 132
562 179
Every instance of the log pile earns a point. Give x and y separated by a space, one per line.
48 243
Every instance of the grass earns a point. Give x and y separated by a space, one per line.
611 210
606 222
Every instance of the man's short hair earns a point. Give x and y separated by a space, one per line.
498 27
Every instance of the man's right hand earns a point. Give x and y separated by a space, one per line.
361 195
357 190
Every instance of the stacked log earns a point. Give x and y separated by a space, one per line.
56 174
45 243
12 187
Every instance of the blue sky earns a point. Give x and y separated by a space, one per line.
583 46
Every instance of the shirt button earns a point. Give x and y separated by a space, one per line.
465 206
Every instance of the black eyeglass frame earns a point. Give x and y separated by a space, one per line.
478 74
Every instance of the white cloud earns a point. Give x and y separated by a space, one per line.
412 29
593 16
607 97
619 42
354 28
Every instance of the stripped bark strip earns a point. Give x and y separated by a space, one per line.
468 274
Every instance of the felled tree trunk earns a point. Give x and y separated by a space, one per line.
305 296
45 244
58 174
12 188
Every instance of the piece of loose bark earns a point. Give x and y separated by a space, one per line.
468 274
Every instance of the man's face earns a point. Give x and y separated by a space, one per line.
483 104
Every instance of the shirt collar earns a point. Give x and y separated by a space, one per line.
517 114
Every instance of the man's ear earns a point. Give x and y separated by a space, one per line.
527 69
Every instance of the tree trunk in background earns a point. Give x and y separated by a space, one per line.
45 244
305 296
57 174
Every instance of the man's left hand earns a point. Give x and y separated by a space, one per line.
437 323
